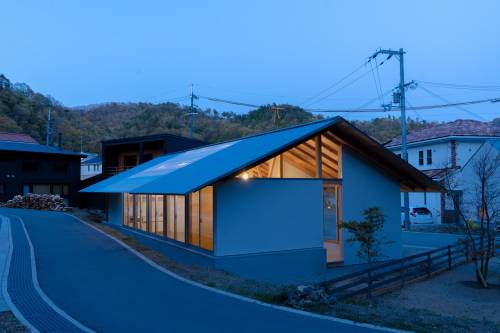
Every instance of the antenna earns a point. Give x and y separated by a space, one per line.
49 129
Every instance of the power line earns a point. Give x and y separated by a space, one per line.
446 101
461 86
310 99
422 107
341 88
220 100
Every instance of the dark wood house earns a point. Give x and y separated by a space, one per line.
29 167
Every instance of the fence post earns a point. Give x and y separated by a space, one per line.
429 263
449 257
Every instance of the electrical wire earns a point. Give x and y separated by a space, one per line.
341 88
446 101
460 86
376 84
423 107
308 100
379 80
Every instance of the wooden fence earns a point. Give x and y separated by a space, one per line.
395 274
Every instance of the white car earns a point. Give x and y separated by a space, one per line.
418 215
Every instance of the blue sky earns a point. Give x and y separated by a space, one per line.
86 52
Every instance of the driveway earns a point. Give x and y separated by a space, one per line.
108 288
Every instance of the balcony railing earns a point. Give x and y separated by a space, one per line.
111 171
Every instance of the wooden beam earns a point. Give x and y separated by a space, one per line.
318 157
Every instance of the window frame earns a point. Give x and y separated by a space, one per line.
428 155
420 157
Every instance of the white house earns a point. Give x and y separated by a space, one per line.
90 166
443 148
265 206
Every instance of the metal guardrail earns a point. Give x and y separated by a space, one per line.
395 274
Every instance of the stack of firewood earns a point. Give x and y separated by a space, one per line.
37 201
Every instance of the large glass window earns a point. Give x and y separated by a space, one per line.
168 216
318 157
176 217
330 212
201 218
128 210
141 217
156 214
180 218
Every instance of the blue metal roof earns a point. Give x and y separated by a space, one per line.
187 171
190 170
33 148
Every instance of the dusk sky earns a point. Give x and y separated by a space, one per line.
87 52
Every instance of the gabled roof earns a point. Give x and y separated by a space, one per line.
190 170
34 148
16 137
460 127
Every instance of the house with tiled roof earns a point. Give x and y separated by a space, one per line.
435 150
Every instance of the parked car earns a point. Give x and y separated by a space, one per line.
418 215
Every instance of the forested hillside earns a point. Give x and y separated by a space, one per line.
23 110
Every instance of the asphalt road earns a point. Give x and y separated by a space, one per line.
107 288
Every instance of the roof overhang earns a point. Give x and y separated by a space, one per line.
188 171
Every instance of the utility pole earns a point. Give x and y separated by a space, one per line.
402 104
49 130
191 113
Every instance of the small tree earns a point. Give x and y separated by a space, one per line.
365 233
486 202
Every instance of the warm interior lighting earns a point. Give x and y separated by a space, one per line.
245 176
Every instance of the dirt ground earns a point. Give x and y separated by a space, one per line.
454 293
10 324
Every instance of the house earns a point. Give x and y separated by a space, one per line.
90 166
29 167
442 149
265 206
122 154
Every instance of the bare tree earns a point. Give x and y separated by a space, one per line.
485 194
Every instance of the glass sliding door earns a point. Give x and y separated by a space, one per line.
156 212
332 239
170 201
201 218
194 218
206 218
173 216
128 210
180 218
141 212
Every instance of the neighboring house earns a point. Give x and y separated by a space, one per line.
442 149
29 167
266 206
122 154
90 166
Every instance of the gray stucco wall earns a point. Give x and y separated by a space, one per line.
115 208
365 186
267 215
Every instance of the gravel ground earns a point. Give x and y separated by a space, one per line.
10 324
454 293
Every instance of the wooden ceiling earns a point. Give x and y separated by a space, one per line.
303 157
